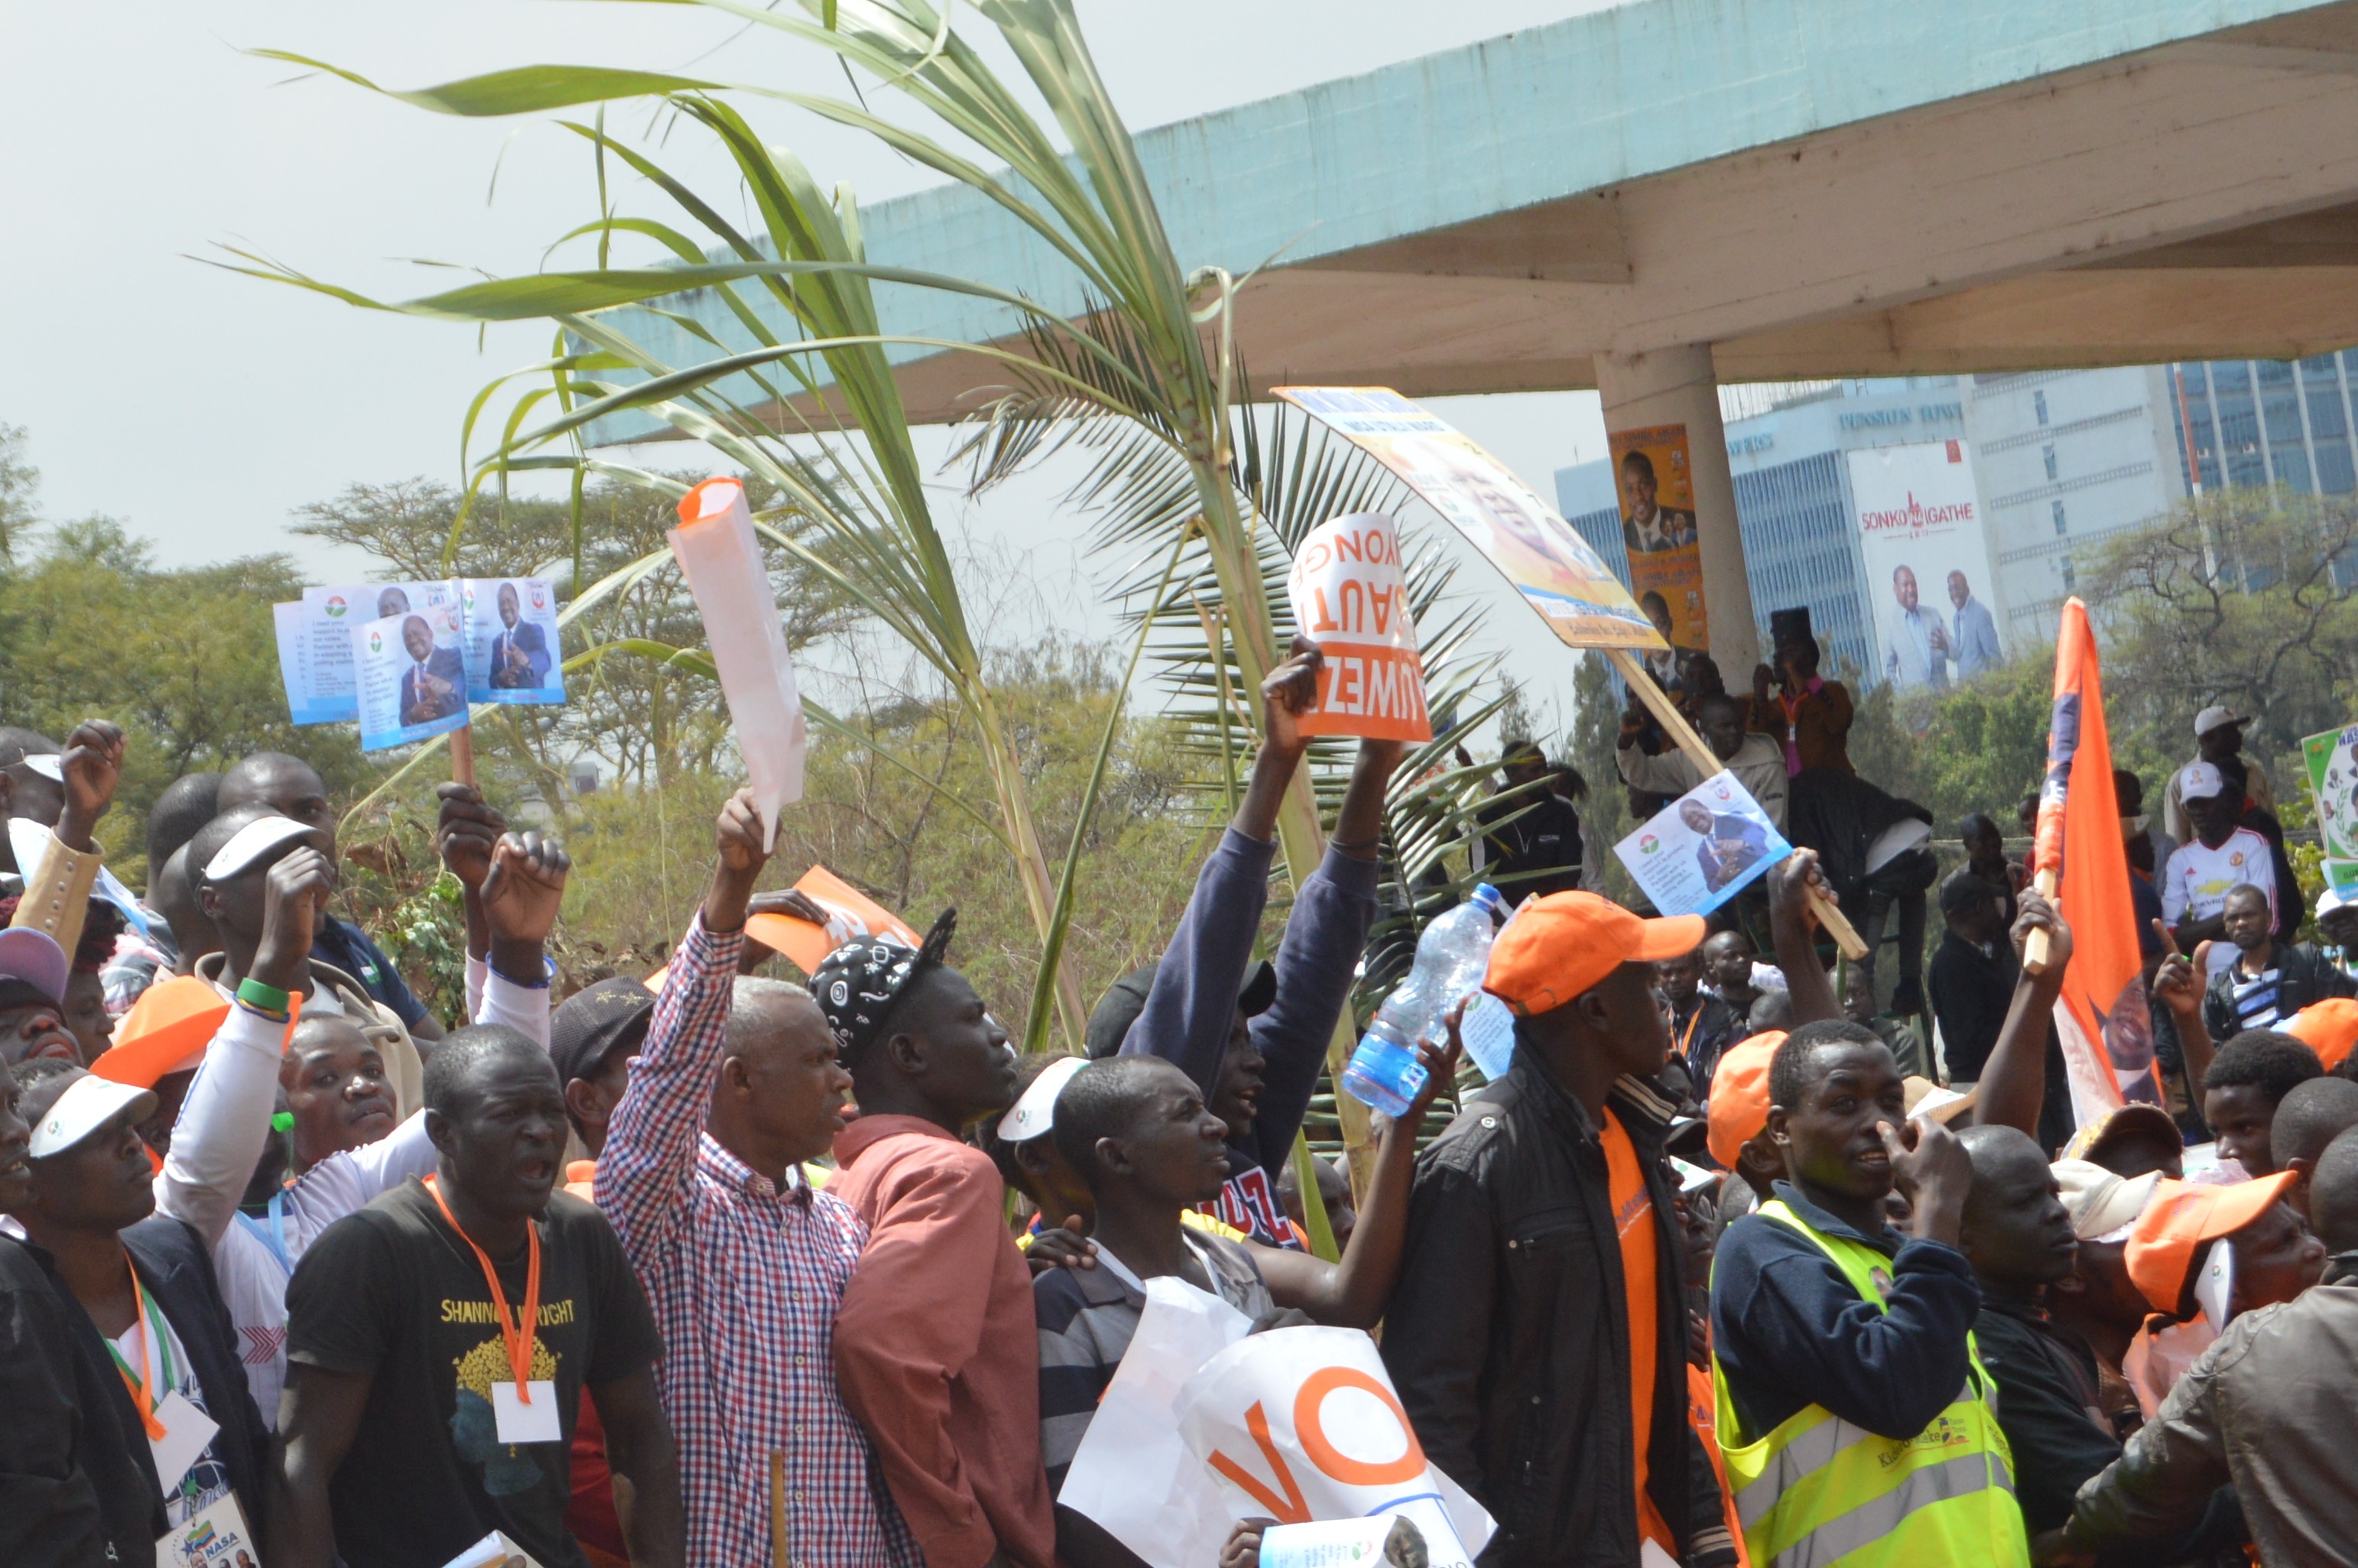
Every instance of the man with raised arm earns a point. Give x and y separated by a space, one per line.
272 878
1254 1036
745 1264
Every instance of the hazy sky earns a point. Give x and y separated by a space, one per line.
201 407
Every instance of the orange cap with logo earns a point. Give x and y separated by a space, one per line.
2180 1217
1560 946
2330 1028
1739 1108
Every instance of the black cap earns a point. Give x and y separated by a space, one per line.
1967 888
1120 1008
584 1032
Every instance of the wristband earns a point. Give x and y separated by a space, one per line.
264 998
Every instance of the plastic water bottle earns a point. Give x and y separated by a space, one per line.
1450 959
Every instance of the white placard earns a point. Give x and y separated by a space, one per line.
721 559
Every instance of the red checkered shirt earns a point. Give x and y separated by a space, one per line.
745 1279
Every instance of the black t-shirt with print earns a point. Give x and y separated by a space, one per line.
394 1291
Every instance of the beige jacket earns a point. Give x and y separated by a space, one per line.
404 1068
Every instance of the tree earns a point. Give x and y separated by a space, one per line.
184 660
20 483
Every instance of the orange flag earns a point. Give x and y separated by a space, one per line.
2101 1017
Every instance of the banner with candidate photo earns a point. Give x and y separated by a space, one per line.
409 675
512 640
1927 559
1703 848
1518 531
2331 760
320 683
1655 483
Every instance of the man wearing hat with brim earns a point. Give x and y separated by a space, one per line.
2218 735
157 1327
273 872
2132 1139
2337 922
2218 856
2266 1408
33 970
1537 1338
50 803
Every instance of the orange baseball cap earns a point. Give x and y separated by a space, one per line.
2330 1028
2182 1216
165 1030
168 1029
1558 947
1739 1094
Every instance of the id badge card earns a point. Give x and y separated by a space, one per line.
217 1537
187 1432
516 1421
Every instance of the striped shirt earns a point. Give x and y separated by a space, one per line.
2255 997
745 1279
1086 1319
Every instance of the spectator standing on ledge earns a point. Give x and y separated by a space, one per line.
1807 715
1755 758
2220 857
2218 735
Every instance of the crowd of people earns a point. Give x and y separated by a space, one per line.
1733 1264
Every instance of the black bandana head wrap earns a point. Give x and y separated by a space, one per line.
857 983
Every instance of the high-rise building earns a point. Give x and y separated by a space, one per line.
2060 461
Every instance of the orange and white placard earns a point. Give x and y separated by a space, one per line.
1349 596
1303 1424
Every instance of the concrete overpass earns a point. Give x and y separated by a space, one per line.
1656 197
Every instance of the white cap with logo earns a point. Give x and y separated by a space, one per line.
89 1103
2199 781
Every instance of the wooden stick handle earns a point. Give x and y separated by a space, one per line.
778 1554
1706 761
2035 958
462 755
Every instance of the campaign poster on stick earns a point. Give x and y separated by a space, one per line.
410 675
1348 596
1703 847
511 640
1518 533
1657 526
1920 526
325 644
2333 762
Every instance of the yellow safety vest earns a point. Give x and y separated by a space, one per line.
1820 1491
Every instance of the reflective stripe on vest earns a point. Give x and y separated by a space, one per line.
1820 1490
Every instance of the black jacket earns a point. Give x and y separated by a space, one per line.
1508 1341
178 1270
77 1482
2303 977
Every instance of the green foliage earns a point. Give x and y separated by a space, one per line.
184 660
1979 747
19 482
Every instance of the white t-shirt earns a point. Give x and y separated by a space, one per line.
218 1140
2195 885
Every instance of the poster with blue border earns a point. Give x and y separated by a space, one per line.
410 676
512 649
1703 847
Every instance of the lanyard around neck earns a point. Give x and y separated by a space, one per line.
518 1335
141 1383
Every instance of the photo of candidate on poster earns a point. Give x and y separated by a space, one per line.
1922 540
324 639
1703 848
512 640
1655 483
410 672
1517 531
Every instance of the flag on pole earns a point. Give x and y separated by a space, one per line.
2081 862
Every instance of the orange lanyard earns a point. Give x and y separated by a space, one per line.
517 1335
1695 1018
146 1379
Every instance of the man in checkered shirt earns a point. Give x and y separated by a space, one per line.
744 1264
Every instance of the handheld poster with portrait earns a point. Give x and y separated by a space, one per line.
323 643
511 643
1556 571
410 675
1348 596
1703 847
